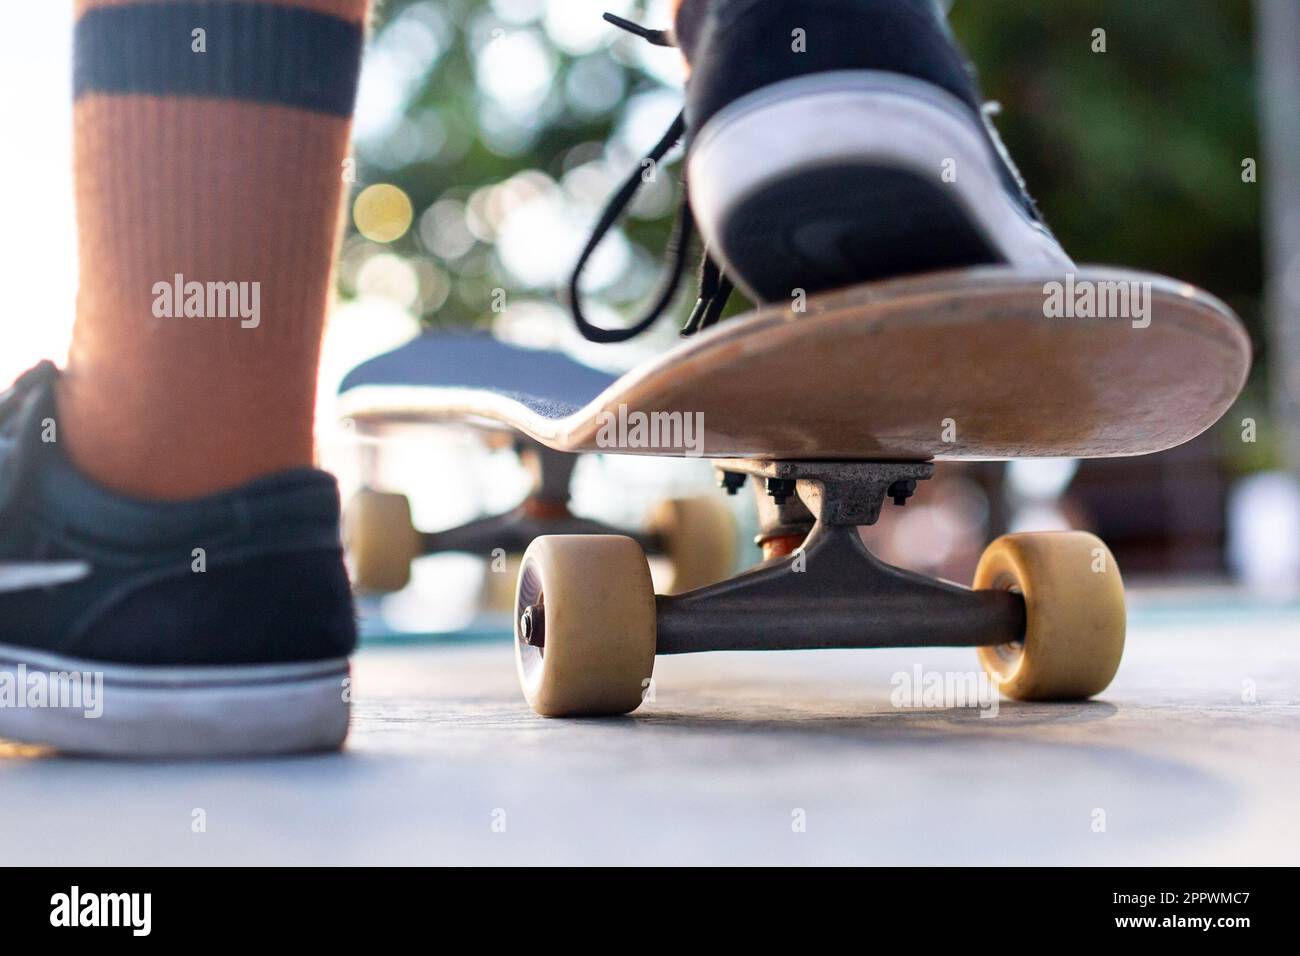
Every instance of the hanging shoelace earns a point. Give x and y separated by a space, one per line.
714 287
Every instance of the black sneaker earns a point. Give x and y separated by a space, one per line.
215 627
832 142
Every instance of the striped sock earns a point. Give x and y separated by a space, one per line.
209 144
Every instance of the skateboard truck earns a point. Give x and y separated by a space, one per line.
1045 614
832 591
786 519
544 511
694 536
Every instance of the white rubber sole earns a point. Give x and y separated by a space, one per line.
155 712
866 117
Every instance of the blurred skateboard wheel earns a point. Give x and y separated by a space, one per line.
498 593
380 539
698 536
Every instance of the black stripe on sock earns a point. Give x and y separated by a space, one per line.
255 51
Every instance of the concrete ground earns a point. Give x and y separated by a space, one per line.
1192 756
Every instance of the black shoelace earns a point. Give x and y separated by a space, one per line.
714 287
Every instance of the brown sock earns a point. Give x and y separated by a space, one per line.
222 166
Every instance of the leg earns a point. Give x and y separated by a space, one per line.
220 166
162 536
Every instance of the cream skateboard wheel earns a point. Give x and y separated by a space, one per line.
380 539
1074 615
698 536
498 593
584 625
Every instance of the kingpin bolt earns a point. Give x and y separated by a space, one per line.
731 481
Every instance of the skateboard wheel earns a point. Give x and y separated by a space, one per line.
584 625
380 539
698 536
498 593
1074 614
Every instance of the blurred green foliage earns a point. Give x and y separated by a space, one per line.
1134 155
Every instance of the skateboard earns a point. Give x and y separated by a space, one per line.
695 535
829 407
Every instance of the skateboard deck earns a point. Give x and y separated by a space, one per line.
958 365
549 384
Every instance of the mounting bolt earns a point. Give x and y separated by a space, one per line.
731 481
532 626
901 490
780 489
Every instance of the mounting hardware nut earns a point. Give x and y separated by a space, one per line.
731 481
780 489
901 490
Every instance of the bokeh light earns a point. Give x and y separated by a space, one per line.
382 212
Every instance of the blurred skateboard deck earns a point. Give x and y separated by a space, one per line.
985 363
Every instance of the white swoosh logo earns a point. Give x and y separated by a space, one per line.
23 576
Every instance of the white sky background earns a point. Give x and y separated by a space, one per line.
38 264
